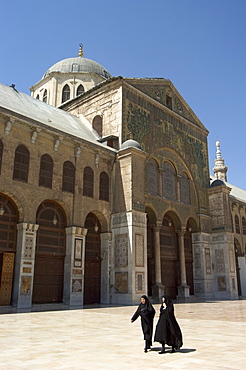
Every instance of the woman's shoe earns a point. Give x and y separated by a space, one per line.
162 351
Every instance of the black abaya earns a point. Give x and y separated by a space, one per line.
167 329
146 312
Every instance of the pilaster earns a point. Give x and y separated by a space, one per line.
74 266
24 265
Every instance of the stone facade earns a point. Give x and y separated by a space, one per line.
131 214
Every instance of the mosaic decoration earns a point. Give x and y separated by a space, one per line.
6 278
197 261
220 261
26 285
27 270
139 279
218 238
139 250
121 282
76 285
122 219
221 281
77 272
28 247
199 288
208 261
209 287
231 260
121 250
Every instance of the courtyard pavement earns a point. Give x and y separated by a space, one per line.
102 337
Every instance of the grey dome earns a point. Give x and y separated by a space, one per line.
130 144
217 183
78 65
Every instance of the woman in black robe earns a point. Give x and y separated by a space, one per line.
147 312
167 329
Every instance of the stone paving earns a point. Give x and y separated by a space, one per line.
102 337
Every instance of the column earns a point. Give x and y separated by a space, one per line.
183 289
158 288
74 266
106 241
24 265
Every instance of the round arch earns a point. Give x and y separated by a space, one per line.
92 270
151 222
9 217
50 253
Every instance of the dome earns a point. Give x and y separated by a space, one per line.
130 144
78 64
217 183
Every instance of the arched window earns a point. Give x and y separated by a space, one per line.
68 178
244 225
45 96
184 188
65 93
169 181
104 186
88 182
97 124
46 171
37 97
153 177
237 226
21 163
80 89
1 154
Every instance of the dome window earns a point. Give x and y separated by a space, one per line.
75 67
80 89
97 124
65 93
45 96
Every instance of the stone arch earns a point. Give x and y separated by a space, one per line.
50 253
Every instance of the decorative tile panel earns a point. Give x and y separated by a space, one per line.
139 250
208 261
76 285
231 260
220 261
121 282
221 281
139 279
121 250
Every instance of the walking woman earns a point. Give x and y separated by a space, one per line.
167 329
147 312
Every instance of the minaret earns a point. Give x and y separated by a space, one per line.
220 168
81 54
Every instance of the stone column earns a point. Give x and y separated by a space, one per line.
183 288
106 240
74 266
158 288
24 265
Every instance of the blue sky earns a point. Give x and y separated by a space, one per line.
200 45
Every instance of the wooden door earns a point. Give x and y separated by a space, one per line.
169 259
48 279
50 254
92 281
7 270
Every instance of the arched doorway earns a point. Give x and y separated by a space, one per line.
189 260
238 254
169 257
150 256
92 277
50 254
8 238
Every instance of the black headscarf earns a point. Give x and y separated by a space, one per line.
147 312
147 305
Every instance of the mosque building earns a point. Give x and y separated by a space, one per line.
105 194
